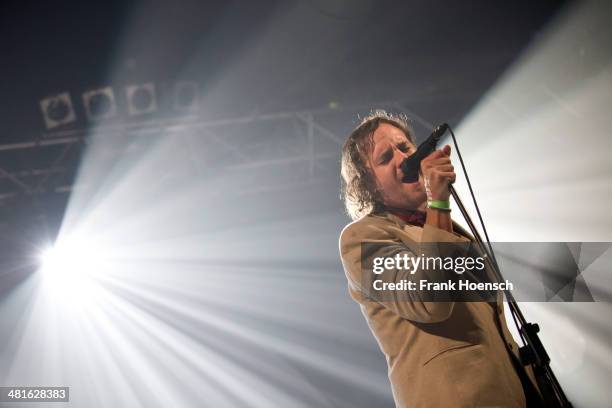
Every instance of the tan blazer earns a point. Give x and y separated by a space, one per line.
440 354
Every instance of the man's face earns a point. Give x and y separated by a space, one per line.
390 148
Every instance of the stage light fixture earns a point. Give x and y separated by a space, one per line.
69 268
186 96
57 110
100 103
141 98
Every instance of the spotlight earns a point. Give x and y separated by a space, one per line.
141 99
69 268
57 110
100 103
186 96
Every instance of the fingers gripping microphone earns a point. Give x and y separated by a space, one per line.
411 165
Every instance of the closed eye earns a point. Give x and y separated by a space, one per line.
404 147
386 156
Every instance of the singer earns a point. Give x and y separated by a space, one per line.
439 354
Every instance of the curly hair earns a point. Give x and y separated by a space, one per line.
359 191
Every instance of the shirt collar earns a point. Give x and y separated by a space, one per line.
412 217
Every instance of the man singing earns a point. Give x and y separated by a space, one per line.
439 353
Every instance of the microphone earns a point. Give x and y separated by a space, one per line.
412 164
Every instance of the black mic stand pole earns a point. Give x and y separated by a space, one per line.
533 352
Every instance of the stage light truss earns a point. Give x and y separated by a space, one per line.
268 151
253 145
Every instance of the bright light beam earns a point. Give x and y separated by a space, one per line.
537 148
70 268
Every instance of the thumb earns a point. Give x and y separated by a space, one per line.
446 150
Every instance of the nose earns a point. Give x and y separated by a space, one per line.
399 159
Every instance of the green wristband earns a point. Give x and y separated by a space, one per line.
443 205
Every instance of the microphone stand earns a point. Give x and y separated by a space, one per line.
533 352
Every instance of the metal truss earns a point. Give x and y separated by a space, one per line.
305 144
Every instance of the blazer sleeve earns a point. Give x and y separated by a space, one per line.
416 305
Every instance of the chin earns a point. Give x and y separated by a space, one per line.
414 188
